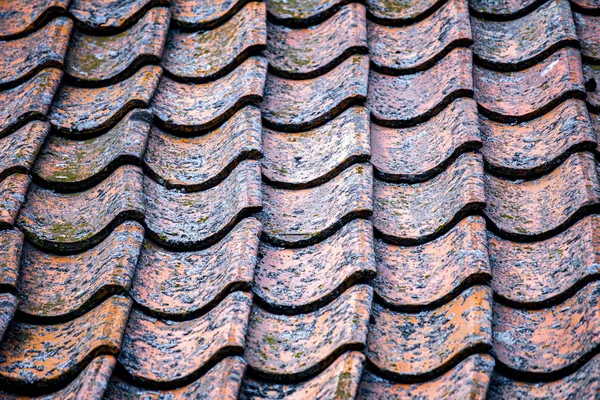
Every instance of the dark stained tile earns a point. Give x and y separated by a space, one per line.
300 280
179 284
221 382
302 13
537 146
12 195
77 110
314 50
101 60
539 342
313 157
305 216
526 94
402 345
302 345
503 9
76 221
22 58
401 11
8 306
192 107
404 100
468 380
206 55
523 42
18 19
408 214
19 149
339 381
296 105
62 287
200 162
110 16
184 220
11 242
416 47
419 152
541 207
588 30
168 352
62 350
592 72
204 14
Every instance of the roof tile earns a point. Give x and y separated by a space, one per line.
401 12
204 14
588 30
589 6
11 242
12 195
109 16
593 96
19 149
17 19
303 13
8 306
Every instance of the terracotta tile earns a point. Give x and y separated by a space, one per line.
401 11
185 220
468 380
177 285
204 14
23 58
57 287
305 216
535 147
11 242
312 51
547 271
592 72
8 306
42 355
200 162
296 105
19 149
28 101
416 47
523 42
300 280
339 381
101 60
581 384
419 152
303 13
595 123
202 56
535 343
18 19
76 221
310 158
424 344
404 100
110 16
408 214
589 6
193 107
174 353
12 195
78 110
588 30
534 209
503 9
518 96
221 382
297 346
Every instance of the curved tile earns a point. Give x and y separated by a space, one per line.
399 101
59 288
110 16
418 153
184 220
401 12
62 350
101 60
535 147
11 242
592 73
204 14
169 353
297 346
197 163
75 221
301 280
551 341
409 214
17 19
8 306
46 48
310 158
77 111
417 47
519 96
202 56
297 105
588 27
193 107
28 101
312 51
533 210
221 382
521 43
12 195
468 380
503 10
20 149
302 13
339 381
586 6
176 285
305 216
425 344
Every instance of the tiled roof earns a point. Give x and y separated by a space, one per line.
319 199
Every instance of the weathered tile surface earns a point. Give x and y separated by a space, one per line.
19 149
204 14
19 19
11 242
110 16
12 195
